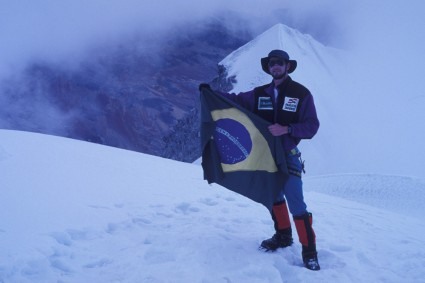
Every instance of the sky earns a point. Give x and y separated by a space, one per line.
383 42
64 30
74 211
383 85
59 28
385 39
364 127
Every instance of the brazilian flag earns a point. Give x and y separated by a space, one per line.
238 151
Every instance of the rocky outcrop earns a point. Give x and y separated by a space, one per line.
133 95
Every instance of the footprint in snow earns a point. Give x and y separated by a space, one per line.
156 256
99 263
186 208
62 238
208 201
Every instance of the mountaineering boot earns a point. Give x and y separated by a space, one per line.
310 260
283 236
307 238
281 239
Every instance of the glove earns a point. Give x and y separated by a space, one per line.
204 85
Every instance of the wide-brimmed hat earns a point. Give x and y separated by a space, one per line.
278 54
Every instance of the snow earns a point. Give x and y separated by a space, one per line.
368 124
320 68
322 60
79 212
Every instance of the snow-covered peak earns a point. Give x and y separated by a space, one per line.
355 102
319 69
313 58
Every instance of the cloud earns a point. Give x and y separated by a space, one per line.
384 39
387 40
57 29
383 35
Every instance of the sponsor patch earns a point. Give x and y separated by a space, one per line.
265 103
290 104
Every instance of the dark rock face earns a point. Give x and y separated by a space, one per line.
136 95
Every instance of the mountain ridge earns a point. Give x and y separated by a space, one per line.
142 98
129 95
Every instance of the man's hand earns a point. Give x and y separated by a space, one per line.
204 85
278 130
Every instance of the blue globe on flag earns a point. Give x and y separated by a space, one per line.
233 141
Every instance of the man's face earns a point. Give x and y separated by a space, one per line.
278 68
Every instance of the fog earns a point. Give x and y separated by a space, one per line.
64 29
382 100
383 95
54 30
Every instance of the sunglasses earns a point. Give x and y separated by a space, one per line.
276 62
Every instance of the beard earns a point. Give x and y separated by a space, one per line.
278 76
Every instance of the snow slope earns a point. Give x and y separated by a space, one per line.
320 68
315 60
78 212
371 121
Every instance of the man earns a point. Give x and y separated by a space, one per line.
290 109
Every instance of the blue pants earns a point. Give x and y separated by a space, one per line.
293 189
